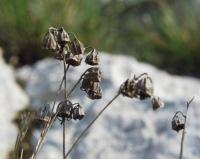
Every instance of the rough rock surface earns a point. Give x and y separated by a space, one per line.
12 99
129 128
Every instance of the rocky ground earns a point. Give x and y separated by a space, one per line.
129 128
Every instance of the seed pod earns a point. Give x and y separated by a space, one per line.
93 89
73 60
76 47
78 112
93 74
128 88
157 103
144 88
63 37
49 42
92 58
95 93
64 109
178 121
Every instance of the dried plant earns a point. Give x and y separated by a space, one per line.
179 122
67 48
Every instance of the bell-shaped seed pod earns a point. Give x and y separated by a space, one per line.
78 112
93 89
95 92
49 42
144 88
178 121
157 103
63 37
128 88
92 58
93 74
76 47
86 85
73 60
64 109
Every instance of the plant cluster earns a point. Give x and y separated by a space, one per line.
67 48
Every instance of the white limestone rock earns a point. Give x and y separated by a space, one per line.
12 99
129 128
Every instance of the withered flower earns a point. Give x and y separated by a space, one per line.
178 121
75 53
73 60
157 103
49 42
76 46
92 58
144 88
139 87
91 83
64 109
128 88
78 112
93 74
63 37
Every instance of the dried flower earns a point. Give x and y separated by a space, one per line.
78 112
178 121
128 88
64 109
63 37
157 103
76 46
144 88
93 74
92 57
49 42
91 83
73 60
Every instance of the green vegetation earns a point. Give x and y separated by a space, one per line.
165 33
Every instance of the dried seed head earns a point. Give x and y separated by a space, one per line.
144 88
78 112
157 103
76 47
95 93
93 89
73 60
178 121
63 37
64 109
92 58
49 42
91 83
128 88
93 74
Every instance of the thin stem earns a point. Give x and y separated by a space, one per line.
91 123
51 121
76 84
63 122
184 130
65 95
60 86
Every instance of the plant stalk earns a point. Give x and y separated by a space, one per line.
184 130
